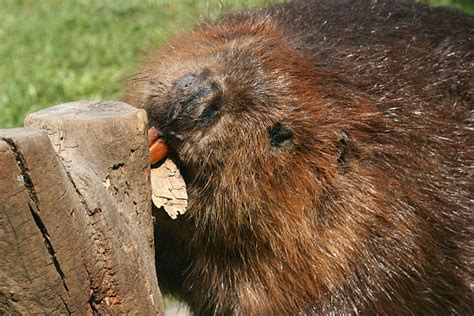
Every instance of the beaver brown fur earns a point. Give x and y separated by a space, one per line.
327 149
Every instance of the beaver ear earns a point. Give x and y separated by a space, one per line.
279 135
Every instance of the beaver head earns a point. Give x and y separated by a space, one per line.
249 122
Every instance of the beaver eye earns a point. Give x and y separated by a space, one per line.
279 135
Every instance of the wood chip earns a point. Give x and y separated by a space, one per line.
169 189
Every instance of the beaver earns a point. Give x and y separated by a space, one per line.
327 152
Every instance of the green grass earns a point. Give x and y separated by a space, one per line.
55 51
464 5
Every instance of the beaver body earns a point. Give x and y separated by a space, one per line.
327 150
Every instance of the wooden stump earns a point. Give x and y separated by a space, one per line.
76 229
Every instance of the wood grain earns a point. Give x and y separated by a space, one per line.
76 230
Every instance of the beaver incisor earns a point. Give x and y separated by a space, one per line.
327 150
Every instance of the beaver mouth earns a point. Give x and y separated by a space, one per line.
158 146
180 118
163 146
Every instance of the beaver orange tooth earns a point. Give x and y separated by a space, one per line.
158 147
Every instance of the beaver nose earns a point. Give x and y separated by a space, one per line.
193 95
186 82
188 90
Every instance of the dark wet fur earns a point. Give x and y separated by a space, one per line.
360 200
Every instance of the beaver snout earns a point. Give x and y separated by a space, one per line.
192 104
195 99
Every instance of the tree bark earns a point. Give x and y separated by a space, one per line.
76 230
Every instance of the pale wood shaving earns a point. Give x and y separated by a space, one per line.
169 189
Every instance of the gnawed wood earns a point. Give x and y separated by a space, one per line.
169 189
77 231
41 235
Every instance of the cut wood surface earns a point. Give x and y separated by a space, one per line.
76 232
169 189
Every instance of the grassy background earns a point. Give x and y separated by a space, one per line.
54 51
